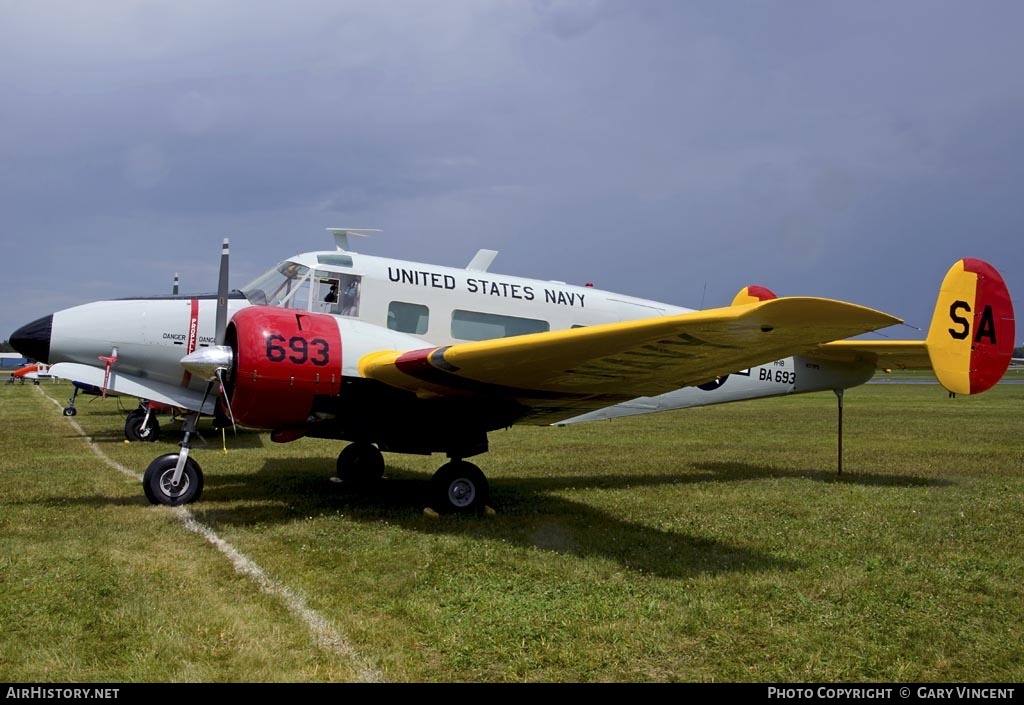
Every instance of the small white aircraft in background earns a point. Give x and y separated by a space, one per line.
405 357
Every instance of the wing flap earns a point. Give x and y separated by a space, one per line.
594 366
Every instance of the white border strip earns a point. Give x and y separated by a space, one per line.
324 635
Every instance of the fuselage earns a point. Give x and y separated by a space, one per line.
441 305
396 303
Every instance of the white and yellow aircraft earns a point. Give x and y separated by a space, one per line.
413 358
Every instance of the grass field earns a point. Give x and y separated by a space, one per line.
712 544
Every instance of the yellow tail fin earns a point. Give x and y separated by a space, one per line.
970 341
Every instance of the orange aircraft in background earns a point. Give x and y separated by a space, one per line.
33 371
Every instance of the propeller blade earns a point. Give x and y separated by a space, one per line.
227 401
205 395
206 363
222 296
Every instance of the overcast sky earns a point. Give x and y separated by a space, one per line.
852 150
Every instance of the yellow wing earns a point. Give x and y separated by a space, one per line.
563 372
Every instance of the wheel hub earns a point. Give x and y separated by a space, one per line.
167 484
461 493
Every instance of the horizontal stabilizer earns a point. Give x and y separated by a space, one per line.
970 341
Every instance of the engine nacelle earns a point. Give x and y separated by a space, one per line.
283 359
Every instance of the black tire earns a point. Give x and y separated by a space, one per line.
459 487
70 411
360 464
135 431
156 482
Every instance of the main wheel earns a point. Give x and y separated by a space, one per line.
134 430
70 411
156 482
360 464
459 487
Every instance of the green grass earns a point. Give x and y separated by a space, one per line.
713 544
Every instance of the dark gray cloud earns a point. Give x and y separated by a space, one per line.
852 150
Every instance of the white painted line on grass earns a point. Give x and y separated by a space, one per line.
325 635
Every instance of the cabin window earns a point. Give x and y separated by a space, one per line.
408 318
348 295
474 325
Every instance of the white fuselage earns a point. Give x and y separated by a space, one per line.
410 305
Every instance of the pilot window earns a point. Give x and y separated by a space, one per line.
298 296
408 318
474 325
285 285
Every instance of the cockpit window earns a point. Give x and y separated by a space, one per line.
286 285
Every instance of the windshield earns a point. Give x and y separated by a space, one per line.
279 287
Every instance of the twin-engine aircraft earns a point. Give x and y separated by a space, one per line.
405 357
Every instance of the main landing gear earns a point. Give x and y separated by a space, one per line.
360 464
142 424
458 487
174 479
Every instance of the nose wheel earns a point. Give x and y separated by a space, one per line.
159 485
175 478
70 409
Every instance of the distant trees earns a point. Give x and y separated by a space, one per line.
1018 352
6 347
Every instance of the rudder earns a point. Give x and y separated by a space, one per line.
752 294
970 340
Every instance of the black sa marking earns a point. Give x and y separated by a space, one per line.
986 326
